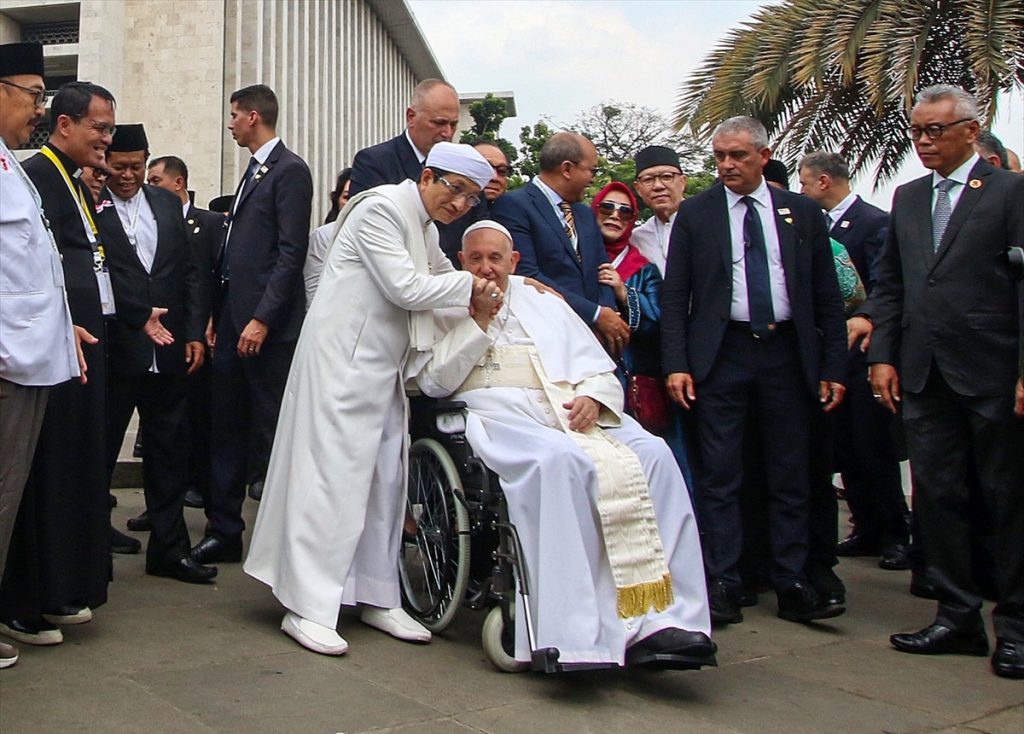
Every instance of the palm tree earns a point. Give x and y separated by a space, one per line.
841 74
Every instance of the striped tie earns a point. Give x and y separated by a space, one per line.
942 213
570 225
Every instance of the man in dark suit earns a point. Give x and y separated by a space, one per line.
557 236
205 232
155 341
866 454
947 307
257 313
752 316
431 117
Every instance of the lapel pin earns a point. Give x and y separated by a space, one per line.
974 183
788 220
195 231
845 224
783 211
191 221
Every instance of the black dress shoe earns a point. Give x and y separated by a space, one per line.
121 543
194 498
1008 659
894 558
660 650
213 549
140 524
187 570
137 448
799 602
938 639
724 603
113 501
857 544
255 490
827 584
747 598
923 587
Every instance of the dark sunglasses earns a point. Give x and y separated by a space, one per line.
610 207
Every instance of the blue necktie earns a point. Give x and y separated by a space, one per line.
759 289
943 211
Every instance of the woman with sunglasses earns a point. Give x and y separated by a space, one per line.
637 286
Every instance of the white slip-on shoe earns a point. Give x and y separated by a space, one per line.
70 616
396 623
8 655
313 636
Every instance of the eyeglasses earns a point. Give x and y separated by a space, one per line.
100 174
592 170
38 94
666 178
99 127
501 170
610 207
458 193
934 131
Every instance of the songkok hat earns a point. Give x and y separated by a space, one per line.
221 204
21 58
776 172
486 224
461 159
129 138
656 155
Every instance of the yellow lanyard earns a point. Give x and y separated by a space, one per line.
78 196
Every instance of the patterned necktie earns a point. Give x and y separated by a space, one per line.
759 289
942 213
570 225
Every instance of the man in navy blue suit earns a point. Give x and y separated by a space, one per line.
557 236
752 316
258 313
865 451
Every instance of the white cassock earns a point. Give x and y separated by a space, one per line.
330 521
551 483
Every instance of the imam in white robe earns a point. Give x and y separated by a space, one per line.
330 521
550 483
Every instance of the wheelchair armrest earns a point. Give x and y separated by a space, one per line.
446 406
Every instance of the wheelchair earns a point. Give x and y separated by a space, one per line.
464 551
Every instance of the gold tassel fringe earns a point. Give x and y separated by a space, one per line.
637 599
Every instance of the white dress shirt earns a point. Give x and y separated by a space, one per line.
651 239
835 214
958 176
740 310
139 224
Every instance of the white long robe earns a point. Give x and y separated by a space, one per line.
329 524
551 485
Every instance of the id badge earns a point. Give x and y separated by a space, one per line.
57 268
106 293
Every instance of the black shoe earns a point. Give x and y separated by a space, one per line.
673 648
894 558
187 570
857 544
212 549
255 490
137 448
923 587
121 543
113 501
725 607
140 524
31 631
747 598
1008 659
938 639
194 498
827 585
799 602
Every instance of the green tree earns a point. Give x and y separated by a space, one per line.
619 130
531 139
488 114
842 74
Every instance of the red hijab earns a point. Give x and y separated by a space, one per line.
633 260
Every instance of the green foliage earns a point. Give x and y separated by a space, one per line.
488 114
532 140
841 75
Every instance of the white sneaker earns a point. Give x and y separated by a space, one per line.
8 655
81 616
396 623
313 636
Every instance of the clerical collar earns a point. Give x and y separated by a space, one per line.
69 165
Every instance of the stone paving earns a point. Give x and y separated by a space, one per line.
162 656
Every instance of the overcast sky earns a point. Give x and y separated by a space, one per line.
560 58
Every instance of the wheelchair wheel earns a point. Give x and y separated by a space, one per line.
434 565
499 642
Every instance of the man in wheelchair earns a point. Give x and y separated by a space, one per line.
608 534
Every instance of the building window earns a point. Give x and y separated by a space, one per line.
60 31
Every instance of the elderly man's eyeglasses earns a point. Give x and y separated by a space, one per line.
456 191
38 94
98 127
610 207
934 131
666 178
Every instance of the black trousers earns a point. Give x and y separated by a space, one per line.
160 400
245 404
944 431
763 373
197 409
867 459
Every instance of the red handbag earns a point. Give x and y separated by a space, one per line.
647 400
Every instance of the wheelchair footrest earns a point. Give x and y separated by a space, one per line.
669 661
545 660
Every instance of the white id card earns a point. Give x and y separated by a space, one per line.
106 293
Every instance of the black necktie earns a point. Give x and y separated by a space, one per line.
759 289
